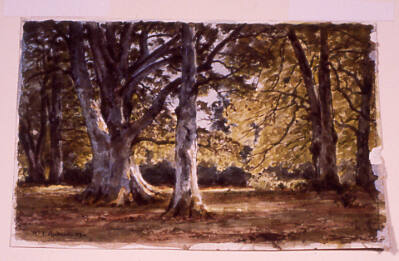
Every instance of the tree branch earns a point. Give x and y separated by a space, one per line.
155 141
143 43
305 71
103 58
83 84
130 89
342 92
345 125
154 110
111 43
207 64
286 131
49 71
288 94
137 67
126 40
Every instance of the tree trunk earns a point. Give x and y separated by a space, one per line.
35 168
34 149
315 117
365 177
324 137
35 171
116 179
328 166
142 192
112 170
55 117
186 201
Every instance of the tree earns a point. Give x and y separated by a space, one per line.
269 114
275 94
277 118
353 66
365 177
112 127
324 138
33 147
43 67
186 200
55 118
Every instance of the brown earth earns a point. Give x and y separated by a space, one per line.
270 219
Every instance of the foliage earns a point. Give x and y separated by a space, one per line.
252 101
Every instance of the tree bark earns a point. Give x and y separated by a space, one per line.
365 177
186 200
100 188
34 149
324 138
142 191
35 167
55 117
315 114
116 179
328 163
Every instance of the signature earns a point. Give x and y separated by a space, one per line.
54 234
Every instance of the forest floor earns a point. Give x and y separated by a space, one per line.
239 215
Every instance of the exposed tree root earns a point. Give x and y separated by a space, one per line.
137 192
184 208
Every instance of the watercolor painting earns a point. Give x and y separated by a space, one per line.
199 136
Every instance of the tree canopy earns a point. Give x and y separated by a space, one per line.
119 82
